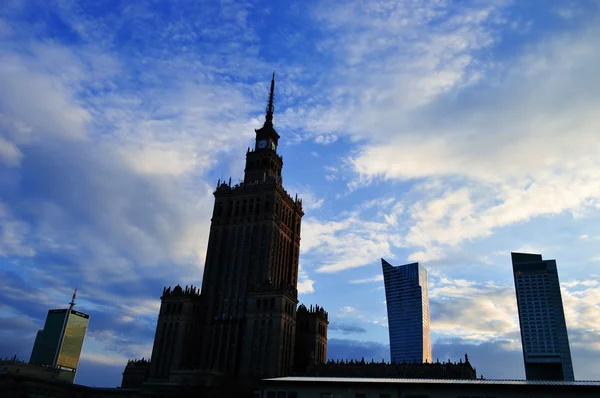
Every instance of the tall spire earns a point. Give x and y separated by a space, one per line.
270 107
72 303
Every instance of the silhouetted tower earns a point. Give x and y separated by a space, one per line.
178 335
311 337
251 268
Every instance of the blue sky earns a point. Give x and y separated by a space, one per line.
444 132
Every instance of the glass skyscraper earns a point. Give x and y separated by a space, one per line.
407 302
59 344
544 335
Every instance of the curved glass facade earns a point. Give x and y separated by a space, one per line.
407 301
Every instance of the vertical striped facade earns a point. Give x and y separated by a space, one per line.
407 301
546 350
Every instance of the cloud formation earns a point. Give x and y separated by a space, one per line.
446 133
346 328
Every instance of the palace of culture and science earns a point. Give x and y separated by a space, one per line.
244 324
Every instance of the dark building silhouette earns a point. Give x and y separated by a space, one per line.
251 269
241 326
544 335
59 344
176 342
408 370
19 379
311 337
135 373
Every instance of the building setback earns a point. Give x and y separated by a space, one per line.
407 301
544 335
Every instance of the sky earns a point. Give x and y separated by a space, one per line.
445 132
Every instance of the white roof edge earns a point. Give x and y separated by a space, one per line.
434 381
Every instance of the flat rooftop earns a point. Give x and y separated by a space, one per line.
373 380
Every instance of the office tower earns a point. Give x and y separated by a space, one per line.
544 336
36 346
178 332
59 344
407 302
311 337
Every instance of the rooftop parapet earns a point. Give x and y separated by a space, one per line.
178 291
317 310
223 186
138 362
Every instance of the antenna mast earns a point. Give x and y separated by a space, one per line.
64 329
72 303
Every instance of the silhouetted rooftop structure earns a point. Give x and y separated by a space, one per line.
417 370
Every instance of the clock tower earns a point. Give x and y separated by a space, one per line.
264 162
249 288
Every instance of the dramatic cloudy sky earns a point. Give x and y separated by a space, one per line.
445 132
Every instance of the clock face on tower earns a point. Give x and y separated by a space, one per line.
262 143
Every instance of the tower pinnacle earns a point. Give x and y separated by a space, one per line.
72 303
270 107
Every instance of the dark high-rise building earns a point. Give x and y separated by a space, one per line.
543 328
36 347
407 301
241 327
311 338
59 344
251 268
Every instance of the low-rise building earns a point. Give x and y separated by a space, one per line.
343 387
135 373
407 370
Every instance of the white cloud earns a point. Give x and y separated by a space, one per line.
104 358
10 155
392 59
347 310
484 311
305 283
161 161
305 286
13 235
417 93
310 200
348 243
504 160
375 278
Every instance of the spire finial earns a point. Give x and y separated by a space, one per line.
270 107
72 303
